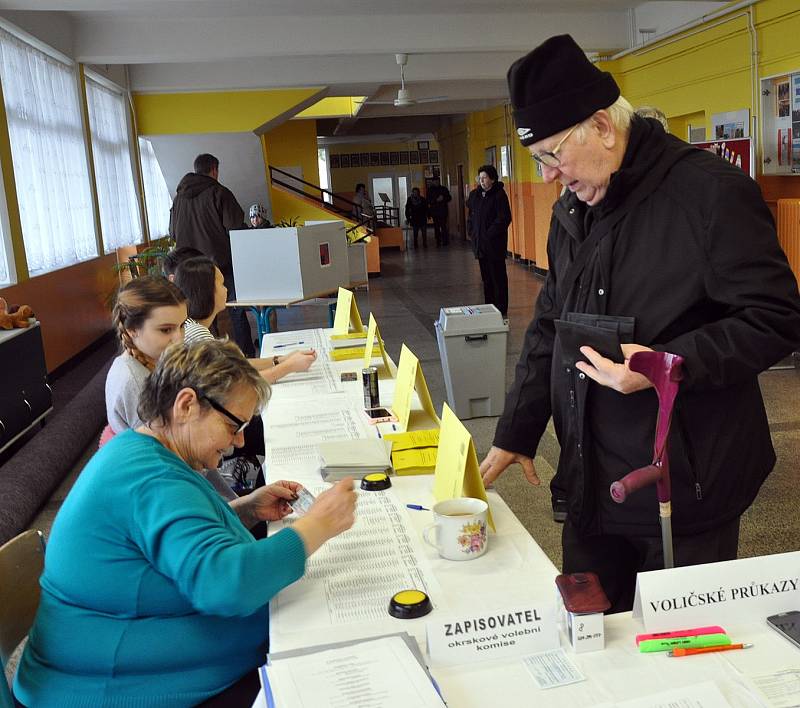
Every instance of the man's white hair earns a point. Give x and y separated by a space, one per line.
620 112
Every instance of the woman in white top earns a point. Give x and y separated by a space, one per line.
148 316
202 283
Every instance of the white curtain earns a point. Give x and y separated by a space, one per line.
156 193
49 156
116 194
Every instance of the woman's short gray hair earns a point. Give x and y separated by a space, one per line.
212 368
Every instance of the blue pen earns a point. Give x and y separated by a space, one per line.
394 427
289 344
417 507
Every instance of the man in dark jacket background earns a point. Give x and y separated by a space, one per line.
663 247
417 216
202 214
489 219
438 198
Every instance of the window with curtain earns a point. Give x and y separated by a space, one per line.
120 222
156 193
5 241
49 156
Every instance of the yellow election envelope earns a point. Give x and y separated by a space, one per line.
457 473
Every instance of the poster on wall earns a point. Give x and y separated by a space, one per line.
365 161
490 156
384 158
345 160
394 158
433 156
413 157
335 162
355 159
374 159
738 152
404 157
782 99
731 125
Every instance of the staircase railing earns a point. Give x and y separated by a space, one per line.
337 204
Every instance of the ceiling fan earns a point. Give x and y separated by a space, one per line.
404 98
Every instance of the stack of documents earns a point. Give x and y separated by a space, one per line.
353 458
387 672
414 452
352 339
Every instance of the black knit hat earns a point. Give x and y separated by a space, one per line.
555 87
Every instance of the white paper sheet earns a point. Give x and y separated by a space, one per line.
552 668
320 380
381 673
353 576
699 695
293 429
782 688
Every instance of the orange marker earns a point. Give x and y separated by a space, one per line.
678 651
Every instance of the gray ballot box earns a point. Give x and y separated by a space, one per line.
472 346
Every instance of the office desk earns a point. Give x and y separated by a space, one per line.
515 571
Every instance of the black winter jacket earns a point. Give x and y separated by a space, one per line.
417 211
692 255
489 219
202 214
437 208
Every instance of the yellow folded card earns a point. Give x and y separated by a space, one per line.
417 461
347 314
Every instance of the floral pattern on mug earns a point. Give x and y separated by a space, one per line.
472 538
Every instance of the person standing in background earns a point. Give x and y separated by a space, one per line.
438 199
417 216
258 217
202 215
489 219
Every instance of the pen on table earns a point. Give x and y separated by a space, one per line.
377 430
679 651
417 507
394 427
288 344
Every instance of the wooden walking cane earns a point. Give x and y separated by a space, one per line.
664 372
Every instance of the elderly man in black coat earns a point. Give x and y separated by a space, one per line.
665 247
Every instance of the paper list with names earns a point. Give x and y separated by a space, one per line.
320 379
353 576
294 428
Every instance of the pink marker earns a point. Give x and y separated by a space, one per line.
680 633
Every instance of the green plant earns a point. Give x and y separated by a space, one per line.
149 260
292 223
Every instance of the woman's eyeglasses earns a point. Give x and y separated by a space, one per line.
549 158
240 424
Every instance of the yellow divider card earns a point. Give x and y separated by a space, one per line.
374 333
347 314
457 473
409 378
421 460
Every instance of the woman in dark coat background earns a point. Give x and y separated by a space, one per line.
489 219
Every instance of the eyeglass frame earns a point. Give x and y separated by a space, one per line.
240 424
552 154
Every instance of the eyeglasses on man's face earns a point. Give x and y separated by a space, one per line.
550 158
240 424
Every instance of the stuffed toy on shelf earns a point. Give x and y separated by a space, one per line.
14 317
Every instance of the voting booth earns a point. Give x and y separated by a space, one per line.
356 257
472 347
289 263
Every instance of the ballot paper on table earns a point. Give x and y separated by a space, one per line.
353 458
382 672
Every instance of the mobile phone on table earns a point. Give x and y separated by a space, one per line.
380 415
787 624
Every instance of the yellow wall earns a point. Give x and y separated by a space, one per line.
217 111
293 144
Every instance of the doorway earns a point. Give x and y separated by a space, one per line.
395 188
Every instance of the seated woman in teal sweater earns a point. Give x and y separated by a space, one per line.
154 593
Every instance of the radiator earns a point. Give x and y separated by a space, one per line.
789 232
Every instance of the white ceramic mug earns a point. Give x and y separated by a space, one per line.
459 527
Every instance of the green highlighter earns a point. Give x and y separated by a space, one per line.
703 640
